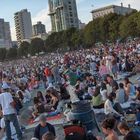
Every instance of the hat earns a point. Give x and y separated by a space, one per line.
42 118
5 86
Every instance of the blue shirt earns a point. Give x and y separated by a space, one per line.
138 116
43 130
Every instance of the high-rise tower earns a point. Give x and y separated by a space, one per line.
63 14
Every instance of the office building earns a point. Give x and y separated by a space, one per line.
23 25
38 29
121 10
63 14
81 25
5 34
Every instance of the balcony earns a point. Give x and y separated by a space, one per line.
59 7
52 13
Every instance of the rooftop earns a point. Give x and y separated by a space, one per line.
23 10
109 7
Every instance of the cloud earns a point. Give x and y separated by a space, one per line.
40 16
43 17
79 1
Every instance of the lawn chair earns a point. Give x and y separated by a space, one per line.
74 132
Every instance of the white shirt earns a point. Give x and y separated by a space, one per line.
104 94
5 101
109 89
108 108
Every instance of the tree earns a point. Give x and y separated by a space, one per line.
37 46
129 26
88 33
60 40
23 50
3 52
93 31
77 38
11 53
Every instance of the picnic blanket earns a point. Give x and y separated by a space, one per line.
54 120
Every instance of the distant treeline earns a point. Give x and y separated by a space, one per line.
109 28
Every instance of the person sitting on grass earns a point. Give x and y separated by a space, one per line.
48 136
108 127
126 131
43 128
97 101
137 94
120 94
111 108
41 98
54 98
38 107
138 116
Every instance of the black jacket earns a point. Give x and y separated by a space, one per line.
131 136
37 130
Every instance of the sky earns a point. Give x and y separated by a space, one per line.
39 10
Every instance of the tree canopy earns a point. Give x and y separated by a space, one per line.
108 28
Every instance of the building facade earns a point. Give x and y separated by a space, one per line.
121 10
5 34
38 29
63 14
23 25
81 25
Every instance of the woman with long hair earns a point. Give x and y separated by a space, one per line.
54 98
41 98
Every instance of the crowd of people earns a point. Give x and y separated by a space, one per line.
100 75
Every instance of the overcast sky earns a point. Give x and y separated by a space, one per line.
39 10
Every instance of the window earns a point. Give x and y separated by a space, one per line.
71 21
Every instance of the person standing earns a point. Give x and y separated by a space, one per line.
8 108
56 74
48 74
